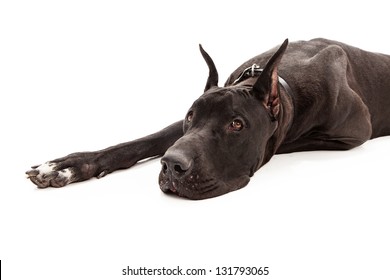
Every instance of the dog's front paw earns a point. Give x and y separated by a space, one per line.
70 169
48 175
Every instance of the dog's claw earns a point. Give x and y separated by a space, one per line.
37 182
32 173
102 174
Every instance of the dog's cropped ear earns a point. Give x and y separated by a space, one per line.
266 87
212 80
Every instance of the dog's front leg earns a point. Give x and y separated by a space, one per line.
82 166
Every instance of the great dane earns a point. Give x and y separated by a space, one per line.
306 95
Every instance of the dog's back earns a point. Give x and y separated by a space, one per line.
325 67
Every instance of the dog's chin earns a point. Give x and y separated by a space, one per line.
196 188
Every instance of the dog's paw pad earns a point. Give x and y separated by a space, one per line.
48 175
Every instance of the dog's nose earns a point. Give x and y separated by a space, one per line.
177 164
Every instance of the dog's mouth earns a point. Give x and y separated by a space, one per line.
193 186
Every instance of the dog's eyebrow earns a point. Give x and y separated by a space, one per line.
244 91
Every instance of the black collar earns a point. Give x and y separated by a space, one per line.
255 70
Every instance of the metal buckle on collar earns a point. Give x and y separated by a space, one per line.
251 71
253 68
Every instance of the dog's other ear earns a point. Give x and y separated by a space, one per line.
212 80
266 87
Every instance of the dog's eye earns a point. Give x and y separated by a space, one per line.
190 115
236 125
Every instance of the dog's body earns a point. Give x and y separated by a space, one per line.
332 96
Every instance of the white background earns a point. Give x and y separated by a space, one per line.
84 75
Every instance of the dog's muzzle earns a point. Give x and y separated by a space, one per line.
176 168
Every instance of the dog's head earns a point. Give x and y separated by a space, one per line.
227 135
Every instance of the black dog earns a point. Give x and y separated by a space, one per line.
322 95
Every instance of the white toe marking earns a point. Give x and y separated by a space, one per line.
67 173
48 167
